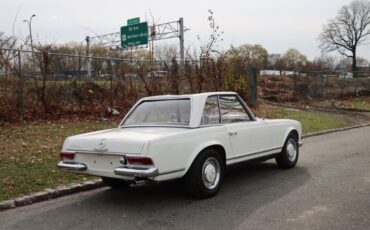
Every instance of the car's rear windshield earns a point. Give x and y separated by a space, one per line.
174 112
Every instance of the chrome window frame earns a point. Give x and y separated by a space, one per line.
242 103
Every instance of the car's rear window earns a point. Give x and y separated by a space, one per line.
160 112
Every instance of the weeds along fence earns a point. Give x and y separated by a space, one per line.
313 86
46 85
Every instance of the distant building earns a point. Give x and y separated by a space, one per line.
270 73
345 75
288 73
277 73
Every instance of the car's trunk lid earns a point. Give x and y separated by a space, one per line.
118 140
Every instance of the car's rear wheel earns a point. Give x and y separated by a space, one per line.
289 155
206 174
115 183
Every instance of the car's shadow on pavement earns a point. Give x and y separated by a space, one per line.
246 187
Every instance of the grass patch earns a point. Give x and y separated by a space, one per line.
311 121
28 160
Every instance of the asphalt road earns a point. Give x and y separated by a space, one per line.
329 189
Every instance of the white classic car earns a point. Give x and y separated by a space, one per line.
182 136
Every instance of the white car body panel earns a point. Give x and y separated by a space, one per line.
254 134
173 149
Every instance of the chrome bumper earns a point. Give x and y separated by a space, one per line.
72 166
122 171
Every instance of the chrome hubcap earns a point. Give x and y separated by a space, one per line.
211 173
291 149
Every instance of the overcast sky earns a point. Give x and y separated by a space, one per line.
276 24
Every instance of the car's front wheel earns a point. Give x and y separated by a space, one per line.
115 183
289 155
206 174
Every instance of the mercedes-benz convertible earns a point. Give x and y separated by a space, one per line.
193 137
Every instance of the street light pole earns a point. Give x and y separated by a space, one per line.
29 22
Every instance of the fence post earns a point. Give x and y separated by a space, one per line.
88 53
20 84
253 84
322 85
295 79
110 66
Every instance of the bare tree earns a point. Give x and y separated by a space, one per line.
326 63
362 62
350 29
6 57
43 59
211 46
344 64
98 64
166 52
208 52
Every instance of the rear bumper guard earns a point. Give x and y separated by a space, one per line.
72 166
148 172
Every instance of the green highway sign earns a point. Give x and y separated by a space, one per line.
134 35
133 21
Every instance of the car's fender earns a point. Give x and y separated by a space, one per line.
202 146
289 130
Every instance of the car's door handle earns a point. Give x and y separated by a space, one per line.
233 133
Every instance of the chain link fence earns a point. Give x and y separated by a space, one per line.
43 85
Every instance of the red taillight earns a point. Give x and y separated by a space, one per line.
67 155
136 160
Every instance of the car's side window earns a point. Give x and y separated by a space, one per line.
232 110
211 112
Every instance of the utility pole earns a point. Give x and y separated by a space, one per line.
181 37
88 66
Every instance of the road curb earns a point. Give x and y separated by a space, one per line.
49 193
334 130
